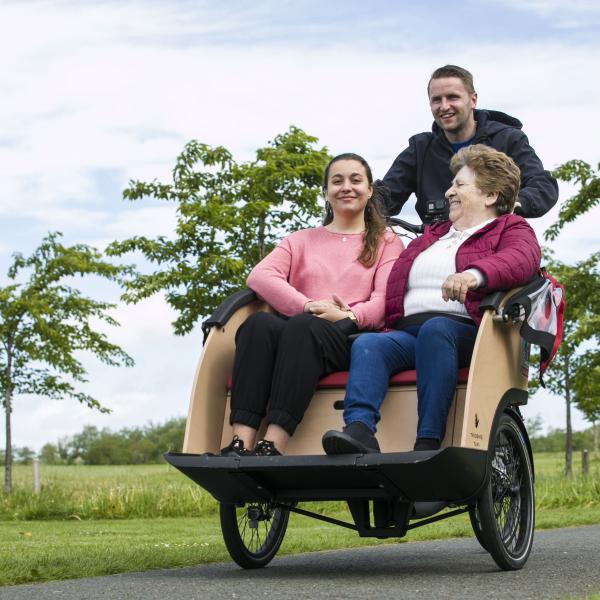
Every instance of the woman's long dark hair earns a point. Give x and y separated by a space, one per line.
374 221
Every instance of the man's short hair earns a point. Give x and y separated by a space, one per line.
453 71
495 172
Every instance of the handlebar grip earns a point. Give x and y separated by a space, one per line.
413 228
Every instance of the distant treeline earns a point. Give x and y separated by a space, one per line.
554 441
141 445
95 446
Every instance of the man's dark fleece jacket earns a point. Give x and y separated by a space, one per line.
423 168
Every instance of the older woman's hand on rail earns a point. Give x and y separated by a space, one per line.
457 285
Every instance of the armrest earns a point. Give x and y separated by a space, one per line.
492 301
511 299
226 309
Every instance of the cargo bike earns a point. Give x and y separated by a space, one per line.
484 466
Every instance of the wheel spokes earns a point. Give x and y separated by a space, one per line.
507 479
252 520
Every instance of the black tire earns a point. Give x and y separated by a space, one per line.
476 525
506 508
253 532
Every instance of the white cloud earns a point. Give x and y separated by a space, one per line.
553 412
571 15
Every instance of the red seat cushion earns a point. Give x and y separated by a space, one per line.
339 379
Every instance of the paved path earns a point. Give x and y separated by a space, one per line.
565 563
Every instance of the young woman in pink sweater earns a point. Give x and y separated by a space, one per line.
325 283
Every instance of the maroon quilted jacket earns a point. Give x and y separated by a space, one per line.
506 251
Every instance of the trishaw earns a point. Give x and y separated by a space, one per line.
484 467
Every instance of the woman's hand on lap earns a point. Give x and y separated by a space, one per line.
326 309
331 314
319 305
340 303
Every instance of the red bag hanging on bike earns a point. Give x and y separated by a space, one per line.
540 304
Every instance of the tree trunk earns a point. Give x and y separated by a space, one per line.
261 242
8 452
595 431
569 433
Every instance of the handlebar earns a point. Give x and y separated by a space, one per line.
416 229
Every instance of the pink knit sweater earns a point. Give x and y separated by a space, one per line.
313 264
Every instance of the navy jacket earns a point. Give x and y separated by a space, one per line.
423 168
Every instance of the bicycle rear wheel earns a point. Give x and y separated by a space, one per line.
506 508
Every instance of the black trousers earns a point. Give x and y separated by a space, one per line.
278 363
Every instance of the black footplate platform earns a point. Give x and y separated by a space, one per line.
452 474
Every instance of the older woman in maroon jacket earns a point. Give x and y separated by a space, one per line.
432 300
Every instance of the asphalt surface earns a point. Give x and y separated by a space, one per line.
564 563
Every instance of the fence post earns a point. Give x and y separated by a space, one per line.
585 462
37 487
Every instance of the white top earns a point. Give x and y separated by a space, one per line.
431 268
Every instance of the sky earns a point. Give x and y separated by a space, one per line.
95 94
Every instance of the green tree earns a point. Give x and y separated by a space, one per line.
229 216
45 323
24 455
50 454
568 372
554 441
79 444
587 391
574 374
138 445
108 449
588 196
167 437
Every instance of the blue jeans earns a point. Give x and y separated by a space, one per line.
436 349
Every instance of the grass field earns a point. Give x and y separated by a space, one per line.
159 491
113 492
99 520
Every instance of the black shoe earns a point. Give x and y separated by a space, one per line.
427 444
235 448
265 448
356 438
